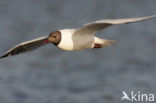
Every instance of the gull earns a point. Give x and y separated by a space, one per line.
75 39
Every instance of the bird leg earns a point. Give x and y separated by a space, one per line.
96 46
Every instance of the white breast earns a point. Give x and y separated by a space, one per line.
66 39
75 42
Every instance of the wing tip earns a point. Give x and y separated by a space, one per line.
4 56
150 17
153 15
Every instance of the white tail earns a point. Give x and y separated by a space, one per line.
104 42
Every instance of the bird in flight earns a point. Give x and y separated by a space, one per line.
74 39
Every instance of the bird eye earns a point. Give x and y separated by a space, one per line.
55 36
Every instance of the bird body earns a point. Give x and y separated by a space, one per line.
75 39
71 41
66 39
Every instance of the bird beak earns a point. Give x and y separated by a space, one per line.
46 41
50 39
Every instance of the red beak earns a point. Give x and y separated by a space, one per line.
45 41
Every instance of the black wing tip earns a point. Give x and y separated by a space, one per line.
4 56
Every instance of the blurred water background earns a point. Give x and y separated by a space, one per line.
50 75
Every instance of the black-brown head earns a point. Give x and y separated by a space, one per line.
55 37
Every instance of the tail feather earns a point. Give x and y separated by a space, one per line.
104 42
108 42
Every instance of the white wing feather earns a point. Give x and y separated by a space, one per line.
92 27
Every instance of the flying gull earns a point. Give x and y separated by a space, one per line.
74 39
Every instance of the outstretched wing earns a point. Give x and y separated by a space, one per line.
26 46
92 27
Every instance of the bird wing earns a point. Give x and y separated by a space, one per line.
26 46
91 28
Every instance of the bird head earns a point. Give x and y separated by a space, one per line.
55 37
